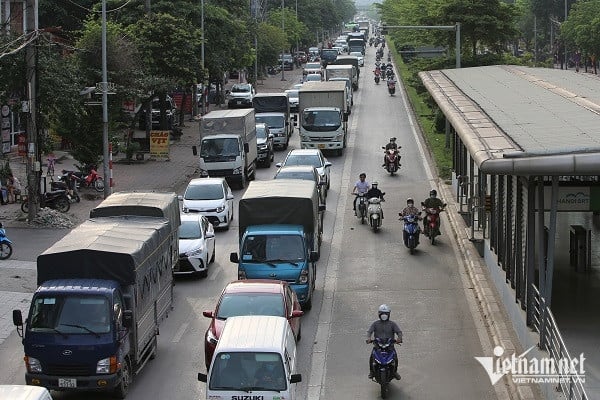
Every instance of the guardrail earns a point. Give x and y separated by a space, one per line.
571 384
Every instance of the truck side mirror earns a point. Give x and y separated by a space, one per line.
233 257
246 148
322 207
208 313
295 378
201 377
314 256
194 150
17 318
345 118
127 318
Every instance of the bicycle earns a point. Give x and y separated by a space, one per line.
50 164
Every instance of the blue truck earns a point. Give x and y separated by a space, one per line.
102 292
280 225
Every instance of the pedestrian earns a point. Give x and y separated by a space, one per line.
14 188
577 60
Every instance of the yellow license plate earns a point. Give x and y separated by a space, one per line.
321 146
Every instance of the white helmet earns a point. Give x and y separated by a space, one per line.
384 309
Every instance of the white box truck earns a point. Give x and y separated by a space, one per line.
323 112
228 145
342 71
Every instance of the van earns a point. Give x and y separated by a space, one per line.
24 392
255 354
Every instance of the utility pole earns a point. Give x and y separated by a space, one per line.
33 159
105 160
204 78
283 51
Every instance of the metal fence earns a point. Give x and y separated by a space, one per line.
571 384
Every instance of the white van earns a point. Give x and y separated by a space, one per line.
24 392
255 358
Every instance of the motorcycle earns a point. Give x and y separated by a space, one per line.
56 199
377 76
375 213
91 180
391 87
431 227
392 160
411 231
383 365
67 183
5 244
361 207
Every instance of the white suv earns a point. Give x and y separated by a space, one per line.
240 96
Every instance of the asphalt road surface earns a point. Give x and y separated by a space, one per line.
428 292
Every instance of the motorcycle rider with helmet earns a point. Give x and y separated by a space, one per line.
384 328
410 208
431 202
391 145
361 186
375 192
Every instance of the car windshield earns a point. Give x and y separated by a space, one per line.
247 371
312 65
70 314
264 248
235 304
313 77
212 191
292 93
240 88
190 230
274 121
261 132
305 159
356 54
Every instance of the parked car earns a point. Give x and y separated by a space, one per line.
360 56
264 143
312 157
196 245
211 197
304 172
293 99
251 297
170 110
240 96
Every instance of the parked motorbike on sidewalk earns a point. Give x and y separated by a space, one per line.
67 183
361 207
90 180
392 160
375 213
431 224
411 231
56 199
5 244
383 364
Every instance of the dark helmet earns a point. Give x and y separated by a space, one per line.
433 193
392 139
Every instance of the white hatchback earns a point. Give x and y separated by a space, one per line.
211 197
361 58
196 245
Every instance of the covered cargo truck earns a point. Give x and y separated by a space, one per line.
280 234
102 292
274 110
228 145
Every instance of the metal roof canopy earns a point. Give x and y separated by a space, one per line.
522 121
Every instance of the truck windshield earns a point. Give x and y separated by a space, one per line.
321 121
70 314
272 121
248 371
217 148
269 248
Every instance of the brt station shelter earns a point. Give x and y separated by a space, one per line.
526 176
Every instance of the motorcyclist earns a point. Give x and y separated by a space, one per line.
431 202
410 208
391 145
361 186
374 192
384 328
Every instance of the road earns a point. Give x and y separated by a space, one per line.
428 292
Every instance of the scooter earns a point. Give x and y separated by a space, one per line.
375 213
67 183
377 76
391 87
392 160
56 199
5 244
91 180
431 228
411 231
361 207
383 366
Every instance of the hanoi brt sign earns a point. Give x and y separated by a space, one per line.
573 198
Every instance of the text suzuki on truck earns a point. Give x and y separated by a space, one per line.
102 291
228 145
274 110
323 113
280 226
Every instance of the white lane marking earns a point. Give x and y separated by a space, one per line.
180 332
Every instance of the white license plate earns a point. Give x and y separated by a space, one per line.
321 146
239 102
67 383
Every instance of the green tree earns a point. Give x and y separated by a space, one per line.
582 29
270 42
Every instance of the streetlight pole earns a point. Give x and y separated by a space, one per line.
564 41
297 40
105 160
283 51
204 80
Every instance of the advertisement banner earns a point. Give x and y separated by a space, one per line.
159 143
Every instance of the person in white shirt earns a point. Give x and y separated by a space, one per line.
361 186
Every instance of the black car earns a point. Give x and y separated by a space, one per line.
170 110
264 142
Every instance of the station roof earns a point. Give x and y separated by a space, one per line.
518 120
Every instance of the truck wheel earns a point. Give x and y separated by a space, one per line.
242 182
123 387
308 305
252 176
